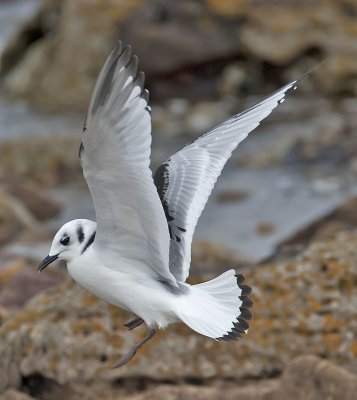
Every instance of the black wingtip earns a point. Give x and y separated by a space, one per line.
145 93
302 77
310 71
80 151
240 325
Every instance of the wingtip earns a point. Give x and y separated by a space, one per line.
308 73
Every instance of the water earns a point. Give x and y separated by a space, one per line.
17 119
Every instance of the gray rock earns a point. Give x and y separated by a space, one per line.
312 378
304 305
12 394
190 42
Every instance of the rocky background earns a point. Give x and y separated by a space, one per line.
284 210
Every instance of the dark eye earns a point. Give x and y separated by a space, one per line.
65 241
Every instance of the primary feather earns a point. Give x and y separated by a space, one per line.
115 157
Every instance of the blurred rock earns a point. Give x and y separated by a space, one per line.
202 117
321 140
342 219
265 228
4 313
43 161
21 208
213 258
178 117
12 394
192 41
39 205
312 378
59 32
9 226
233 79
20 281
225 391
305 305
305 378
14 217
232 196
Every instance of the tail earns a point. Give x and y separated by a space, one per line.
219 308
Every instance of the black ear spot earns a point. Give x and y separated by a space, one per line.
65 240
80 234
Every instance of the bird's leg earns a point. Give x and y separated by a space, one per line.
134 349
134 323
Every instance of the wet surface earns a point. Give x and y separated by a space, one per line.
277 202
284 202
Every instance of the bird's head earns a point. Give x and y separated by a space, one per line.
70 241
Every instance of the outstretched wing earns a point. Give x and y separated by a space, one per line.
115 157
186 179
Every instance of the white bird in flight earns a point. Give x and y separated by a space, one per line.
137 255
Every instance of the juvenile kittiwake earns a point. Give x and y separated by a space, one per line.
137 255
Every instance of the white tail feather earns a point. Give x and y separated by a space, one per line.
218 308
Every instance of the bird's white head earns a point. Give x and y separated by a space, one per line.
71 241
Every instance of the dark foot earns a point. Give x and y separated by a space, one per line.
134 323
125 359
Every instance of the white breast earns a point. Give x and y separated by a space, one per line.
134 292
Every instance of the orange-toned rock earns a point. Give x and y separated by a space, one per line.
77 36
12 394
223 391
303 306
56 67
21 207
20 281
312 378
20 161
305 378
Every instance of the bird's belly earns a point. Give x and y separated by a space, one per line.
146 298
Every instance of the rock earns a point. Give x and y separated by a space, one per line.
343 218
203 116
182 34
233 79
305 378
21 208
64 32
265 228
312 378
39 205
212 258
232 196
20 281
278 32
12 394
193 43
4 313
58 163
14 216
304 305
179 117
320 141
225 391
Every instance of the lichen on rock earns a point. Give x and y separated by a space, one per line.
306 305
54 60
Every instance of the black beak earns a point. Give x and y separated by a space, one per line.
46 262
